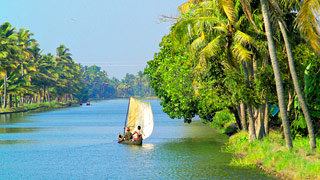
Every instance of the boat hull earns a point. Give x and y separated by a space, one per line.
130 142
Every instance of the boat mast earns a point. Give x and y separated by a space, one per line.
125 121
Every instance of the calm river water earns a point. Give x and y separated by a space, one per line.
80 143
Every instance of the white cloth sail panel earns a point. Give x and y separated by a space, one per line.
140 114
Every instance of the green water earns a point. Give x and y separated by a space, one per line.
80 143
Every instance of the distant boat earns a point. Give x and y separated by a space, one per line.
88 103
139 113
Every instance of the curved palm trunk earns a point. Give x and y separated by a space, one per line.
277 74
266 117
236 115
252 133
260 131
303 104
243 116
21 97
16 100
5 90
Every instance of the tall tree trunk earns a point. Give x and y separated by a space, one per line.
44 94
236 115
39 98
252 133
10 101
293 72
260 110
239 115
21 97
277 74
266 117
5 90
260 132
243 116
48 95
16 100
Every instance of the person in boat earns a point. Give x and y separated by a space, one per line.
126 136
137 133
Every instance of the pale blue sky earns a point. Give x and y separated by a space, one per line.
118 35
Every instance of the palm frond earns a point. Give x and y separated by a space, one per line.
240 52
183 8
198 43
244 38
220 28
247 11
308 22
212 49
228 8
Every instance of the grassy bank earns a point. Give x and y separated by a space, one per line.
28 107
272 155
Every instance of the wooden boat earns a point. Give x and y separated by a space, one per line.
139 113
131 142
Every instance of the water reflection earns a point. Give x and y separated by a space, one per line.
6 130
143 147
7 142
13 118
148 146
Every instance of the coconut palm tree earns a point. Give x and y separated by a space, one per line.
8 50
278 15
26 43
277 74
221 30
308 21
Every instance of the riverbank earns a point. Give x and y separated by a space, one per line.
29 107
271 155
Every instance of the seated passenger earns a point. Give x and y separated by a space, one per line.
126 136
137 133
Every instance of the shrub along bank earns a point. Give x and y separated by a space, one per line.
28 107
271 155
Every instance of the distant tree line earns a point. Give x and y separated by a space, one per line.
99 86
28 76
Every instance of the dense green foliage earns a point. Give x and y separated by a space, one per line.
28 76
216 58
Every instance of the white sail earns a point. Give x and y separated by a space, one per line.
140 114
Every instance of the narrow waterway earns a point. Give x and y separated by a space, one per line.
80 143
